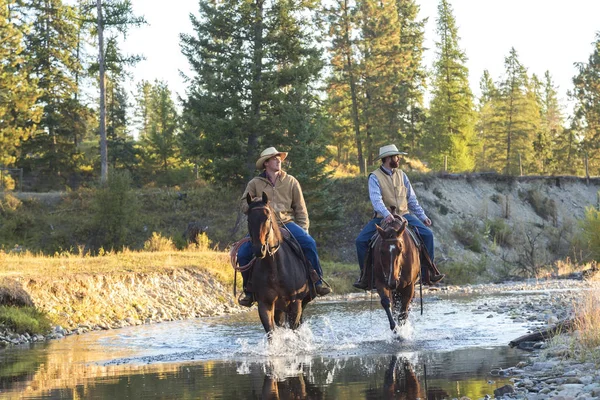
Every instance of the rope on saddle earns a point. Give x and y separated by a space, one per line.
233 256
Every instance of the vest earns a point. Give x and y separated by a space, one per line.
393 191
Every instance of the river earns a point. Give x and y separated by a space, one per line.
344 350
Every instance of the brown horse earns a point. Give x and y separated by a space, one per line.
279 277
395 268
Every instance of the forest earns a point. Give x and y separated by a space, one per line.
330 81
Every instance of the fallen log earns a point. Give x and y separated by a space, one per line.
545 334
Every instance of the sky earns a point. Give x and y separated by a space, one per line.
548 35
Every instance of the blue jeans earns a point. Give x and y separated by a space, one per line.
362 241
307 243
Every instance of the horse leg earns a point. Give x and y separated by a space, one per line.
280 317
266 314
385 303
406 296
295 314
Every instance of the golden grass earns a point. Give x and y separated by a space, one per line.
587 320
126 261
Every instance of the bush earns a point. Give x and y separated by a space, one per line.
114 211
468 235
544 207
203 243
157 242
462 273
591 231
24 319
500 232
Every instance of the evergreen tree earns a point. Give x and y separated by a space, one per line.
342 88
19 112
255 65
487 120
451 127
518 120
51 45
411 111
383 67
142 108
160 142
587 110
548 146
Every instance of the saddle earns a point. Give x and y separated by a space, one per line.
427 265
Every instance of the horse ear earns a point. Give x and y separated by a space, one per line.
402 228
248 198
379 229
265 198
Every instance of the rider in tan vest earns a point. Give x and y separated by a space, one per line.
389 187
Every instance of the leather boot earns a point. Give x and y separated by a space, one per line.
246 299
435 278
321 289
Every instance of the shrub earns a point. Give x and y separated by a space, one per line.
115 211
500 232
591 231
544 207
157 242
468 235
24 319
465 272
203 243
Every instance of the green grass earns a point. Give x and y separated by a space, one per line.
24 319
340 276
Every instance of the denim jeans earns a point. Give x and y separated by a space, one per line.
307 243
362 241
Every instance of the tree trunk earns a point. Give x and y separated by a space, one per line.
103 145
544 334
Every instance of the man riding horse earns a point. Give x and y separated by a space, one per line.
287 200
389 188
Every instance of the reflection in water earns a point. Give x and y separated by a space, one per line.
341 352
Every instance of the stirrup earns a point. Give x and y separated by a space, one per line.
322 290
360 284
246 299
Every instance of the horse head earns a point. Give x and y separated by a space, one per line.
262 227
391 246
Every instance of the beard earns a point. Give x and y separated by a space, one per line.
393 164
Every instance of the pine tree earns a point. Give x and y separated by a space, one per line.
255 65
383 67
19 112
451 127
548 145
487 120
51 45
160 142
587 110
518 120
342 88
411 111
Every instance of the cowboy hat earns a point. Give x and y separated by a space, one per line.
389 150
268 153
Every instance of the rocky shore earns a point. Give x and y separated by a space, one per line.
552 372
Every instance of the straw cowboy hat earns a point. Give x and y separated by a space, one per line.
268 153
389 150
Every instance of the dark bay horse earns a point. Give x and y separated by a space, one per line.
395 268
279 277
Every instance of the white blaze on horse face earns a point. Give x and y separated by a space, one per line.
391 275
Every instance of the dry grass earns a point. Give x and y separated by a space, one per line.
30 265
588 321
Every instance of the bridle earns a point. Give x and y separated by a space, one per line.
270 250
395 241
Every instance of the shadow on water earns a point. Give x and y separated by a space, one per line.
344 351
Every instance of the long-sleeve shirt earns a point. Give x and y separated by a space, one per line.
377 200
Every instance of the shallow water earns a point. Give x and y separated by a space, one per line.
344 349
